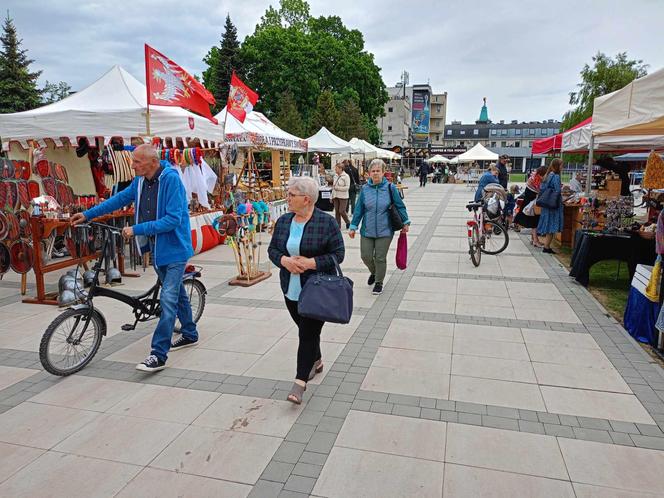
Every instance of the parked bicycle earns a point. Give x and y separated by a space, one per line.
73 337
484 235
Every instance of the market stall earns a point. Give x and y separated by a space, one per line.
74 152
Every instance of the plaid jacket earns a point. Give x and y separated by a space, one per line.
321 239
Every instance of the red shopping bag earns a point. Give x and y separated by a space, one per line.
402 251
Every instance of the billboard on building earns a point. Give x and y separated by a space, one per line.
421 114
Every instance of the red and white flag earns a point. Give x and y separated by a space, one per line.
170 85
241 99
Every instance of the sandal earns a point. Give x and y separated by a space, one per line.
296 393
316 369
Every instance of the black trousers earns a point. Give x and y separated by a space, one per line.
308 350
423 180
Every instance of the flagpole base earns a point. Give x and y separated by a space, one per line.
243 281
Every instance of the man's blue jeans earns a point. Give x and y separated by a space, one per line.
174 302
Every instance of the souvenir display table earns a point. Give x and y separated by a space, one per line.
591 247
641 312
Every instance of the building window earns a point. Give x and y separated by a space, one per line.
389 109
517 144
503 133
437 138
462 143
389 143
494 132
449 132
476 132
438 107
503 144
389 128
493 144
518 132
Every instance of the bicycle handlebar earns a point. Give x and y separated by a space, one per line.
104 226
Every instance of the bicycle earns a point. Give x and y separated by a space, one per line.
73 337
484 235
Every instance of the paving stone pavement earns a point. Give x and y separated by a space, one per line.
457 381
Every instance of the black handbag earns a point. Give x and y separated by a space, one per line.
328 298
395 217
548 198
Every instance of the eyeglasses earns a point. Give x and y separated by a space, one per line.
291 194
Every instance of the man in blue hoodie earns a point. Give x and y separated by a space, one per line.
489 176
162 227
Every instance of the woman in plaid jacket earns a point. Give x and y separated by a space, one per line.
304 241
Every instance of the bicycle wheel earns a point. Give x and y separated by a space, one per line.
474 246
62 350
196 292
495 238
639 195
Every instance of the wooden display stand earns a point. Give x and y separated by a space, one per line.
42 228
571 223
611 191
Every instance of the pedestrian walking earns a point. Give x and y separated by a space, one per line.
340 189
305 241
528 218
355 184
373 206
422 173
162 227
551 219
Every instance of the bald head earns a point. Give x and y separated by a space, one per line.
145 160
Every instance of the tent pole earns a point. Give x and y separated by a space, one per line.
147 91
590 164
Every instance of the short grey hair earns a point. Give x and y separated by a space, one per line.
304 185
377 162
147 151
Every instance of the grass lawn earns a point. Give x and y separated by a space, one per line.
608 283
521 177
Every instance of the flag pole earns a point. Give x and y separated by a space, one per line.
147 92
223 133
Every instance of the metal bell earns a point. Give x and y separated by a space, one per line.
88 277
113 276
66 298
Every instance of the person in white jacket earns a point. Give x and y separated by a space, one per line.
340 187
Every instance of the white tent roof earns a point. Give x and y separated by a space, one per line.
325 141
258 131
438 159
477 153
362 147
112 106
578 140
637 109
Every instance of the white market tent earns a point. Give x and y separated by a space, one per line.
257 131
477 153
636 109
325 141
437 159
578 140
113 106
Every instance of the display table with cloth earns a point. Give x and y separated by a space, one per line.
591 247
641 313
324 202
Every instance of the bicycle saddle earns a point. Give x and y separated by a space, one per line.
474 205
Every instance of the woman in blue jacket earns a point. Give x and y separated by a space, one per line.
551 220
371 209
490 176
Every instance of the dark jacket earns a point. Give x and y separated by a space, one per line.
354 175
503 175
321 239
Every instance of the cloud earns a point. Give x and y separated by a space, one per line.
524 56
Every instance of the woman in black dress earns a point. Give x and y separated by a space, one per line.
529 195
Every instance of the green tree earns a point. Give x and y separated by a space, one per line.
351 121
605 76
221 61
53 92
290 50
288 117
18 85
326 114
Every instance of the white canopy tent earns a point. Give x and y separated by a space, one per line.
113 106
325 141
636 109
437 159
257 131
477 153
578 140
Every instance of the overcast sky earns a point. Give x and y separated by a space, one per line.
524 56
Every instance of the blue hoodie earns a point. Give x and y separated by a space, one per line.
486 179
171 229
372 206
